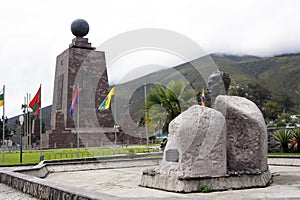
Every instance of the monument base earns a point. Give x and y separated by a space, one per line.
104 136
173 183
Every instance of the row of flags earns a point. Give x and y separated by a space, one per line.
103 106
107 101
35 103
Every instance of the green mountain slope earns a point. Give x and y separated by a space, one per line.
279 76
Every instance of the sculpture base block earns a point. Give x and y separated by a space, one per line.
174 183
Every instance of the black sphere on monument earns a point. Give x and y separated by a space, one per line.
80 28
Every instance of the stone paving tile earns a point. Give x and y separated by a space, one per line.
123 182
8 193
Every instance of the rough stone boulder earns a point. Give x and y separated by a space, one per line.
196 144
196 149
246 135
214 149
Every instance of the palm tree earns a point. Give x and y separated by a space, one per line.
165 103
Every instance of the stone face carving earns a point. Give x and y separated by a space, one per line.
218 84
246 134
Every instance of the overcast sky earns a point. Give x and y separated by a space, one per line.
34 32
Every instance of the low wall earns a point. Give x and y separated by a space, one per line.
41 189
284 160
28 181
44 168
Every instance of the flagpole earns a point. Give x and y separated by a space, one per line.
3 125
29 130
146 128
115 125
78 153
27 121
41 127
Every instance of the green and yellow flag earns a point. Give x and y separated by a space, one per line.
106 103
1 98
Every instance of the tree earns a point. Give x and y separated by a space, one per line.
237 91
271 110
258 94
285 117
165 103
285 101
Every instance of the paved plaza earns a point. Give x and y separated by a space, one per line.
123 182
8 193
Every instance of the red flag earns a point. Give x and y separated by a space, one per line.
74 102
203 98
35 103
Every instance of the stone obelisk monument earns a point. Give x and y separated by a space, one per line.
80 66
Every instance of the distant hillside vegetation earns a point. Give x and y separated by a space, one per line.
46 115
280 75
275 79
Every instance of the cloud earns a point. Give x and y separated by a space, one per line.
35 32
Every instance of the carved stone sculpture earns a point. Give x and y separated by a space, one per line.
217 149
218 84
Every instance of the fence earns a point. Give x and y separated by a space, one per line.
33 156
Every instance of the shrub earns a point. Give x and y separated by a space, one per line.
281 124
271 125
130 153
283 136
204 188
297 136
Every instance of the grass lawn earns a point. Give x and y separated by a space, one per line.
283 154
33 156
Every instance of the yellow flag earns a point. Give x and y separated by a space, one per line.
1 98
106 103
109 97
